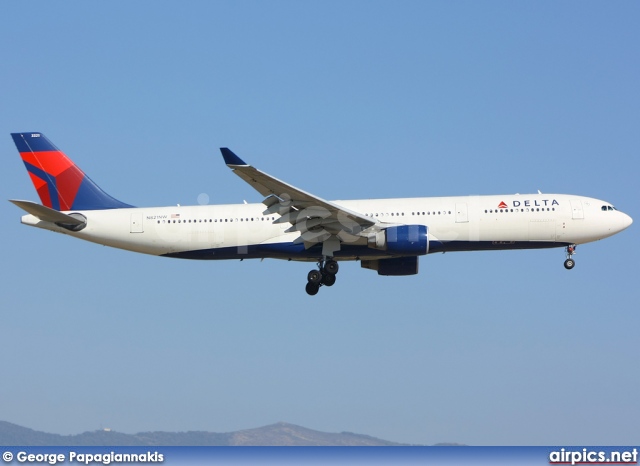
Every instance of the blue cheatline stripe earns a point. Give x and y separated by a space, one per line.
456 246
51 184
297 251
275 251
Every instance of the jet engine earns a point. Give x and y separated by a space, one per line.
410 240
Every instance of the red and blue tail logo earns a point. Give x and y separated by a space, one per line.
61 185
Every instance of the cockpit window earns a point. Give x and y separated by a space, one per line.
607 207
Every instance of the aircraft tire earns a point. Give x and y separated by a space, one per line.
569 264
331 267
312 289
314 277
328 279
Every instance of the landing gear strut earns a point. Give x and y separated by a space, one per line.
570 263
325 275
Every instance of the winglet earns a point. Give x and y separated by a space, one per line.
232 159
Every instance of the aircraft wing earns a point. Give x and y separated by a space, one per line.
316 219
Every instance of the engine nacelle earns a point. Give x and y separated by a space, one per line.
401 240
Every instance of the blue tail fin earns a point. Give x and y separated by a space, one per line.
60 183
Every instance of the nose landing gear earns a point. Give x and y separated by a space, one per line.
570 263
325 275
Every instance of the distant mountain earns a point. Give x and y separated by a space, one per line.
283 434
280 434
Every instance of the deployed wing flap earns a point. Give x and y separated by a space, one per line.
46 214
306 212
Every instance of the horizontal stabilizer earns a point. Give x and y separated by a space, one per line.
46 214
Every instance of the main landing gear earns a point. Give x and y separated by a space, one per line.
570 263
325 275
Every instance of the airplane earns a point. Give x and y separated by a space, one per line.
385 235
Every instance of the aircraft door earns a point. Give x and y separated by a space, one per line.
576 209
136 223
462 216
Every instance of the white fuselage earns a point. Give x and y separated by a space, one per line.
240 231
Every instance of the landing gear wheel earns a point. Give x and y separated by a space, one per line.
324 276
331 267
328 279
312 289
314 277
570 263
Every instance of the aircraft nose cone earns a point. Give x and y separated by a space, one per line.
627 221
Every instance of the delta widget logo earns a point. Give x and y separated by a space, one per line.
530 203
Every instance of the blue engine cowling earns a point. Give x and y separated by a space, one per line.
405 240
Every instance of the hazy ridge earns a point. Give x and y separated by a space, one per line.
279 434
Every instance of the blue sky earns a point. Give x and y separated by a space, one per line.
356 99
